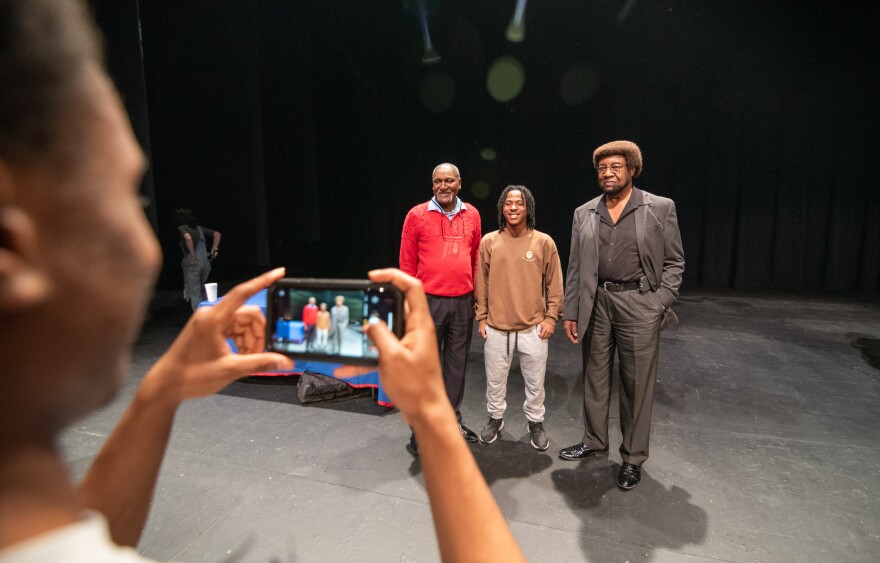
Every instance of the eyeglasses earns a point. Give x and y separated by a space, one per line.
616 168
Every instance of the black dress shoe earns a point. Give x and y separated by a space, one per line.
629 476
466 433
579 451
413 446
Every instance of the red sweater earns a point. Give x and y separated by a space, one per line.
310 314
441 253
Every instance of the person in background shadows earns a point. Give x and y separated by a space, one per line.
196 262
70 169
519 295
439 246
624 271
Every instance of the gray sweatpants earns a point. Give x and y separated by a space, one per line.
498 353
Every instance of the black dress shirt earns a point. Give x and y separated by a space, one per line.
618 245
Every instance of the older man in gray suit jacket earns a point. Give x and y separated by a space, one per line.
624 272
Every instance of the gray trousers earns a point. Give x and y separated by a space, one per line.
194 277
336 338
626 322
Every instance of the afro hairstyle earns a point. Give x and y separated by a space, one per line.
626 149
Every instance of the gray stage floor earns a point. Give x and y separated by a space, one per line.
765 447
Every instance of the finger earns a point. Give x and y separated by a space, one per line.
242 365
256 333
351 371
259 342
238 295
246 318
410 286
248 343
382 337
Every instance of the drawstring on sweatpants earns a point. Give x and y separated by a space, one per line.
515 341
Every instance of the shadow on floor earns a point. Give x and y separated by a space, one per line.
650 516
868 345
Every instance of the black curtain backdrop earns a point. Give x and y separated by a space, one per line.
119 22
299 130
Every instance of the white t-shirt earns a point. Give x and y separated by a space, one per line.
87 541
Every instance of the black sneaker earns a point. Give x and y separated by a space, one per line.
539 437
491 430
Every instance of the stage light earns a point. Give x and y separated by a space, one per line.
488 153
430 55
505 78
516 30
626 10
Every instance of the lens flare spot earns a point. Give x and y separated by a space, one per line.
505 78
480 189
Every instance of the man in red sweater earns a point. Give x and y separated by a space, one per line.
310 319
439 246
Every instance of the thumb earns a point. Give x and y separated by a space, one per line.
381 336
245 364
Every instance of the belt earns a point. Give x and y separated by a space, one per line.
614 287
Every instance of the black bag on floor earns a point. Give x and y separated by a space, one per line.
313 387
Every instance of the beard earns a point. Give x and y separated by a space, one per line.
615 191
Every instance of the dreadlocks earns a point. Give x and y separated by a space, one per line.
530 206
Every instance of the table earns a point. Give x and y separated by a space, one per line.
369 379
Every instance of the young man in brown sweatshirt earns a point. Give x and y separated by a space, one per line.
518 301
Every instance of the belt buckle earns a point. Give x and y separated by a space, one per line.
605 285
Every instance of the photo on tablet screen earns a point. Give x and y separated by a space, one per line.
329 322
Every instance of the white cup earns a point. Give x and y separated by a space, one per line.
211 290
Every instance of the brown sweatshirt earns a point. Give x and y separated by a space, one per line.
519 280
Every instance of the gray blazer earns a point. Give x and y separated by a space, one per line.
338 318
660 253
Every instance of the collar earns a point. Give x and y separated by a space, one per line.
459 206
636 199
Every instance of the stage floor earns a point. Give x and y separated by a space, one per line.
765 447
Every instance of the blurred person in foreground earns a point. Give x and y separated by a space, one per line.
69 175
